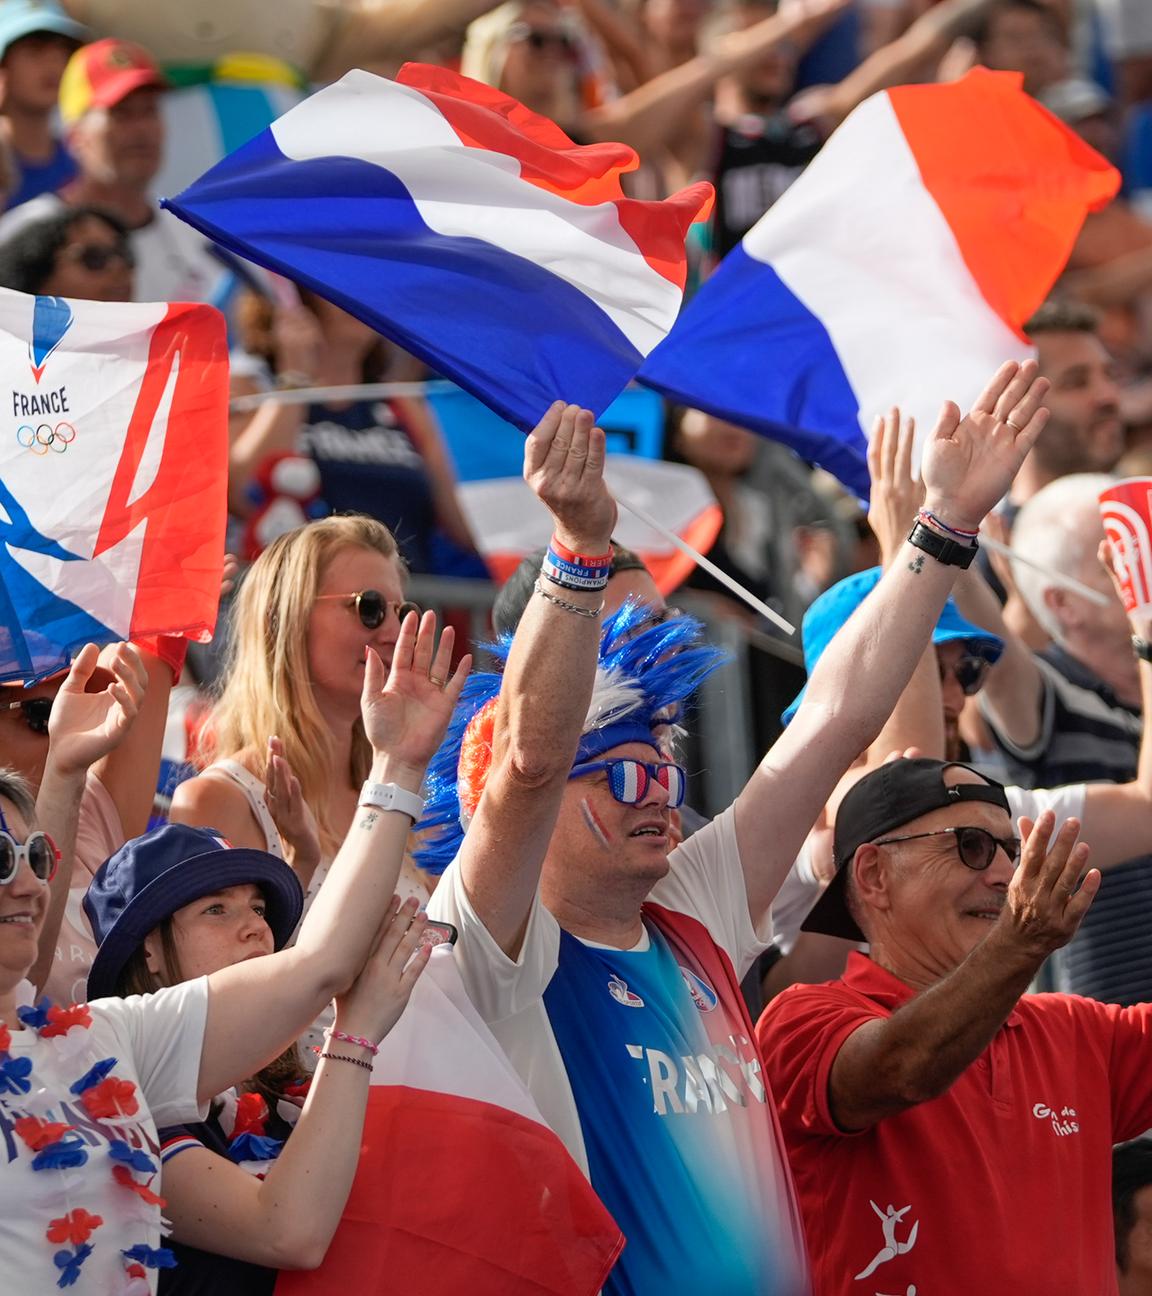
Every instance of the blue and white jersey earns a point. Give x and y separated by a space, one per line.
642 1060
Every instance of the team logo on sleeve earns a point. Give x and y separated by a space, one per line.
703 996
619 991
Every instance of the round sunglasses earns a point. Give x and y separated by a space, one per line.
372 607
629 780
969 671
976 846
35 712
39 850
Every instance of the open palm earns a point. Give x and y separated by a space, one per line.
85 727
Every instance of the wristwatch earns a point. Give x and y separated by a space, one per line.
390 796
944 550
1142 648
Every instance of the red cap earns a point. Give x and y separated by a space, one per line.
100 75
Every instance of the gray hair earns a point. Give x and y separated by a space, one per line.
15 787
1060 527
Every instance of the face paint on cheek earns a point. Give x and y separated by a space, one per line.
595 827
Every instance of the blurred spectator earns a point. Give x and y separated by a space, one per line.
1132 1216
110 105
1084 433
1024 36
81 252
36 40
385 458
1128 40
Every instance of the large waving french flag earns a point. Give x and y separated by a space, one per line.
469 230
898 270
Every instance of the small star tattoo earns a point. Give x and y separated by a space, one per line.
916 566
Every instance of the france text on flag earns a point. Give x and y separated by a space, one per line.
898 270
459 1178
113 475
469 230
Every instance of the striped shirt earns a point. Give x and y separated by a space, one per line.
1087 735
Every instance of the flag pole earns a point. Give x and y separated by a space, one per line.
1057 578
710 567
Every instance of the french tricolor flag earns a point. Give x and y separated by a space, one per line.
898 270
472 232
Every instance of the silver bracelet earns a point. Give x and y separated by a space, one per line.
566 606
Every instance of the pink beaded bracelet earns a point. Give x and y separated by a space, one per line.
335 1034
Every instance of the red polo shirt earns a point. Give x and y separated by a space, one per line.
1002 1187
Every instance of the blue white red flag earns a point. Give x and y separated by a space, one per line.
501 1207
898 270
113 475
464 227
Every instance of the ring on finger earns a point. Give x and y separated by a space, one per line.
435 679
1014 426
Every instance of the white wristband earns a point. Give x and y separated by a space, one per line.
390 796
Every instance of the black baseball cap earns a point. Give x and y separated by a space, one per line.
887 798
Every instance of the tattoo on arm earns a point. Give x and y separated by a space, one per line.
916 566
368 820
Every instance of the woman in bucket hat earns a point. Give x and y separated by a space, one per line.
83 1088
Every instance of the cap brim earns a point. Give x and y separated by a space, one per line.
829 916
42 21
179 886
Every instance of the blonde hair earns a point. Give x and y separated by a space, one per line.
268 686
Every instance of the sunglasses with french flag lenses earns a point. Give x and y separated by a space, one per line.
628 780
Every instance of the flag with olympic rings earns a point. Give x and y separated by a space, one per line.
113 475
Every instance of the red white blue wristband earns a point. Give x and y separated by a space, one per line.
581 560
927 516
574 576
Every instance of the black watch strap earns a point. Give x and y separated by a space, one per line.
1142 648
946 551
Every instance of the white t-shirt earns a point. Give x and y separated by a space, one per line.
802 888
640 1060
156 1042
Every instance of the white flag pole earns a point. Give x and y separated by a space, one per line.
1057 578
698 558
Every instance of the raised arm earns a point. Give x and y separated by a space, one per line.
547 687
255 1009
891 1064
286 1220
968 465
84 728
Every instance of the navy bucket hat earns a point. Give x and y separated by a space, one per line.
829 612
150 877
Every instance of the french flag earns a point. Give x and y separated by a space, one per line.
461 1186
898 270
470 231
113 475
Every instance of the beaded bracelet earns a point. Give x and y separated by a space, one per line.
333 1033
926 515
343 1057
569 607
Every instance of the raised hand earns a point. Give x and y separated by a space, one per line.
84 727
406 716
1044 907
897 490
969 462
373 1003
564 465
291 814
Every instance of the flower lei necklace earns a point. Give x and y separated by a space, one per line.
58 1146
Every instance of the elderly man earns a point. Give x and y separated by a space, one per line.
607 965
947 1132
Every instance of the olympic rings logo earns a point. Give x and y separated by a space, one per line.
43 438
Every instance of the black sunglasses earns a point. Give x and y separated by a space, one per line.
975 846
99 256
541 38
372 607
35 711
970 672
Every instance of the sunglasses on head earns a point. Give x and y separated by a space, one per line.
99 256
628 780
39 850
975 846
36 712
969 672
372 607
